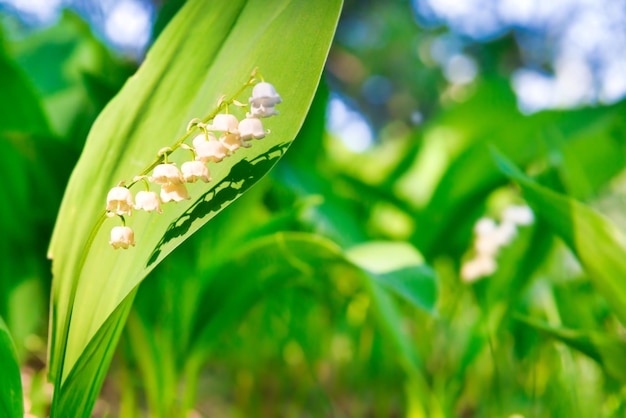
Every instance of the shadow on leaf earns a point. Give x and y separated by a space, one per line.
240 178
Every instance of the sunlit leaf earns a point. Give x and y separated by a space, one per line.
208 49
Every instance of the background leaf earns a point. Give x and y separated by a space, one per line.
11 402
598 243
606 350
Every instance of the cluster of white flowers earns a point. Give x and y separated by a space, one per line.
216 141
490 237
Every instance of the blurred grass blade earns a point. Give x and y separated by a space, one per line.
282 258
598 243
609 351
207 50
20 107
11 402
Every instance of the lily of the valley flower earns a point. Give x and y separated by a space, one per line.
166 174
264 98
224 123
147 201
250 128
173 192
119 201
122 237
195 170
209 150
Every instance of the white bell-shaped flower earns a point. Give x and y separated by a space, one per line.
250 128
166 174
173 192
119 201
264 98
264 94
224 123
211 150
233 142
147 201
195 170
122 237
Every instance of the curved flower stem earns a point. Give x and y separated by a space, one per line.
224 103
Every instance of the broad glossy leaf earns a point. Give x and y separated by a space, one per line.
11 402
597 242
609 351
208 49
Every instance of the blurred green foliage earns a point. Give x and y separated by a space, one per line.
333 287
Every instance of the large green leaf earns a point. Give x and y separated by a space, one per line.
597 242
208 50
11 402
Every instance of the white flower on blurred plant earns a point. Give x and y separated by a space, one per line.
519 215
122 237
147 201
481 266
264 98
490 239
195 170
485 226
119 201
173 192
250 128
166 174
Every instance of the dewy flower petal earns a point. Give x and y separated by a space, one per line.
147 201
122 237
233 142
225 123
174 192
251 128
119 201
165 174
195 170
211 150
